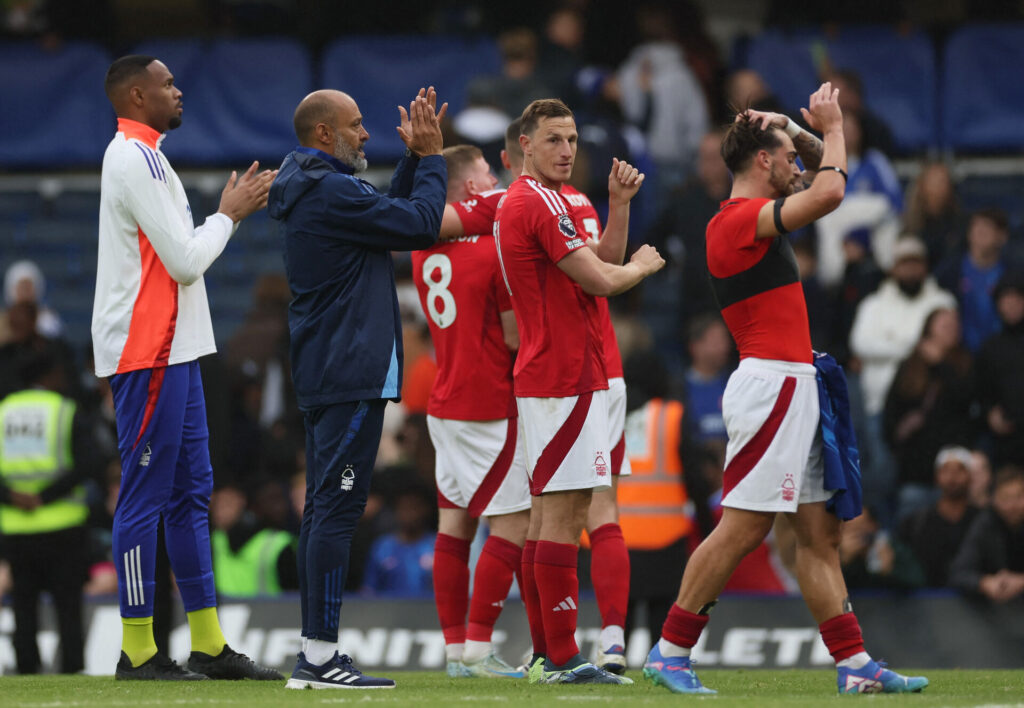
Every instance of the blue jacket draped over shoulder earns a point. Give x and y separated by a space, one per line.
339 231
839 443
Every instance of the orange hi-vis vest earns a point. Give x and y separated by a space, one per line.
652 500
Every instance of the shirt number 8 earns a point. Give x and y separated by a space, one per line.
438 290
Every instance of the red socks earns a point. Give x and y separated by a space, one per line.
451 586
558 586
841 635
495 568
531 598
683 627
609 572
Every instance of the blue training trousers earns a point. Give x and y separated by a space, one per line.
341 448
165 469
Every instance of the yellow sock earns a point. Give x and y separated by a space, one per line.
204 627
137 639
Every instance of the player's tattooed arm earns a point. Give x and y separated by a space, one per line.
809 148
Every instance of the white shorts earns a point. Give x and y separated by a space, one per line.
773 461
481 466
566 442
617 427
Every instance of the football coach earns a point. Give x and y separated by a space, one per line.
346 338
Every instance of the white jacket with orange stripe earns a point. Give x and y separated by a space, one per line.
150 308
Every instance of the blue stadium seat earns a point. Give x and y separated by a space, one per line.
382 72
898 71
238 95
54 111
982 101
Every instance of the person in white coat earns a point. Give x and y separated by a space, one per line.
887 325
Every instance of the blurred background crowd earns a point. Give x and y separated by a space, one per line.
915 284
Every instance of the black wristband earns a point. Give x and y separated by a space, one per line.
778 216
837 169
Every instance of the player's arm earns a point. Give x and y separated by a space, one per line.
187 253
808 147
624 181
451 224
603 279
510 330
829 186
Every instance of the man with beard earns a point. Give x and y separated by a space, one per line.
886 328
346 333
775 461
150 325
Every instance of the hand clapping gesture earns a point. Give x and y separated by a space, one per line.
420 127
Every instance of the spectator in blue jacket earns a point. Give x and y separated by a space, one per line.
346 336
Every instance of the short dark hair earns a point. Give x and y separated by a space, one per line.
744 139
542 108
995 215
125 69
700 324
1007 474
458 158
512 133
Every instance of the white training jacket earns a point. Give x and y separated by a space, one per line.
150 308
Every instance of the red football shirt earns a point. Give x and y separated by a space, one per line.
769 323
477 216
462 293
560 340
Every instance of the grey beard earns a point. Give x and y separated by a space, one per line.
349 156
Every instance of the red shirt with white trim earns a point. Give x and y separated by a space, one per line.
767 322
477 216
560 333
462 294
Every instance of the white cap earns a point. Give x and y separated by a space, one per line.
909 247
954 453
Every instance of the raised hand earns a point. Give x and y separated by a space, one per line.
244 195
623 182
420 127
823 113
765 118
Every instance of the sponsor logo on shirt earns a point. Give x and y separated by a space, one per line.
566 226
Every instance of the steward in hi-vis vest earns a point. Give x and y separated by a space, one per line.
44 460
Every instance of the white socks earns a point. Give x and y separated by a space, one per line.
453 652
668 649
319 652
612 635
475 651
855 662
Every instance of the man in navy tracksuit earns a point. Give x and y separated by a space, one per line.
346 337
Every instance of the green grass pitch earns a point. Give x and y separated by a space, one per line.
736 688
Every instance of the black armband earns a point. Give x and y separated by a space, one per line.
778 216
837 169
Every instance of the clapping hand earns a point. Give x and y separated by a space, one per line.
420 127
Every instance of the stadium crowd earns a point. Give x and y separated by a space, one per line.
921 301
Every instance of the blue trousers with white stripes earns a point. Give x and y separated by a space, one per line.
165 469
341 448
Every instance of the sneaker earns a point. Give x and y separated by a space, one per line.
456 669
578 670
873 677
158 667
231 666
612 659
339 672
535 673
493 666
673 672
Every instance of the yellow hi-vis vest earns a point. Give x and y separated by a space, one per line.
252 570
35 449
